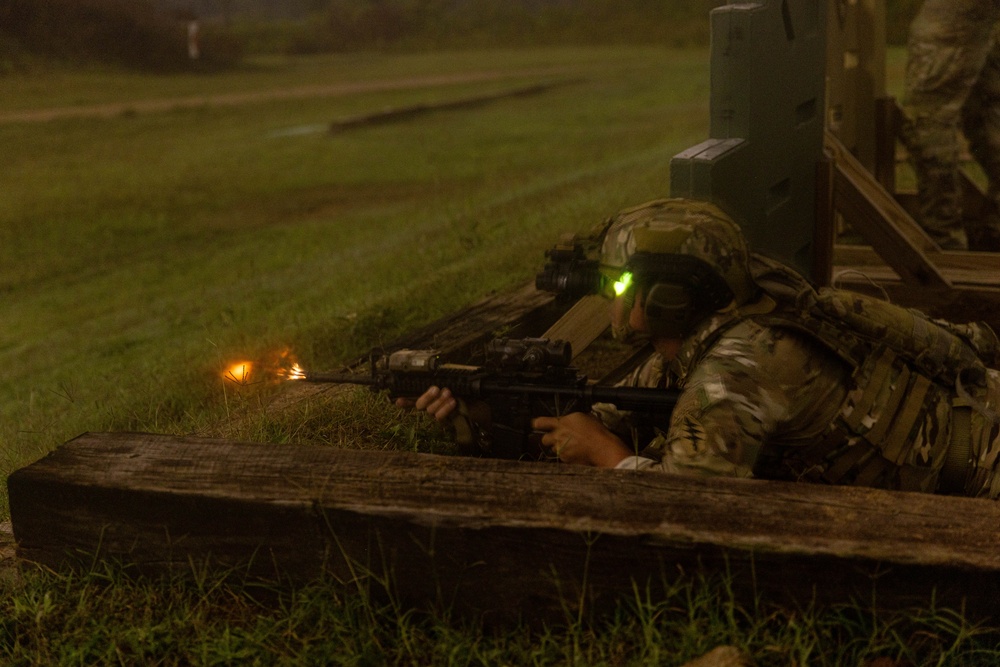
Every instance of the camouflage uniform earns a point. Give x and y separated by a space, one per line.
795 386
757 390
953 78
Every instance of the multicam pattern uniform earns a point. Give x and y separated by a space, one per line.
783 394
952 79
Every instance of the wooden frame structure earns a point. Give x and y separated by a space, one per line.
861 139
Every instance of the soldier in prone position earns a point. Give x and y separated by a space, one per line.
779 380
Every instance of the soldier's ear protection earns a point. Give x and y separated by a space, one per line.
679 292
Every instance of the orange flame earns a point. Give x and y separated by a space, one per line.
239 372
286 366
275 367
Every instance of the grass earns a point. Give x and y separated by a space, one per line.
206 620
142 254
87 86
139 254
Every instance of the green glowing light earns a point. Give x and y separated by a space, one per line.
623 284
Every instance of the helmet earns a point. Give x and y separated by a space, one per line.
688 258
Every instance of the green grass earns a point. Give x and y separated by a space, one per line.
141 254
89 85
205 620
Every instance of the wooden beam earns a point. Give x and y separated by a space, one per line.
975 275
878 217
501 539
583 323
983 267
887 121
520 313
825 223
855 75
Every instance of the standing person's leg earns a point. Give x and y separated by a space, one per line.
948 46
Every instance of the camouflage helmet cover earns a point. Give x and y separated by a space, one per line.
689 257
680 227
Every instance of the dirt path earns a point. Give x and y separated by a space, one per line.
233 99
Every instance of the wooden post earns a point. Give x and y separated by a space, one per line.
887 120
499 539
825 223
855 75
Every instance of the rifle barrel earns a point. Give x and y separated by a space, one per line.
338 378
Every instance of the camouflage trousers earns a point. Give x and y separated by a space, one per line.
952 84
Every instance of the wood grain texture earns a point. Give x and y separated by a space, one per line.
500 539
882 221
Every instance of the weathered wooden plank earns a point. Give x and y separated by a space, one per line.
825 222
583 323
887 121
969 303
519 313
975 276
879 218
855 74
500 538
522 312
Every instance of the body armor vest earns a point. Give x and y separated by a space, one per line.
905 420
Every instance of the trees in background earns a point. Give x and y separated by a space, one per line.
153 34
349 25
346 25
126 32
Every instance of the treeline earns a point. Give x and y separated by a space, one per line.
152 34
132 33
347 25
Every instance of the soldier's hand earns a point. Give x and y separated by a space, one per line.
466 419
581 438
442 405
437 402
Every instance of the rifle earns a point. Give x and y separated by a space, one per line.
521 379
